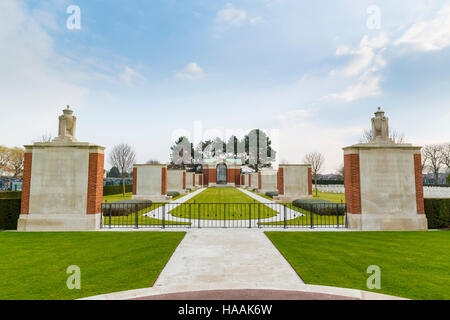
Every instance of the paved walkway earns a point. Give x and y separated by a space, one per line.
226 262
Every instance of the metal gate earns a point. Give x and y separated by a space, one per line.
221 174
222 215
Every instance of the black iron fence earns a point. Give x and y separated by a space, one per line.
222 215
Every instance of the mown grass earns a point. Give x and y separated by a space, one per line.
33 265
413 265
209 205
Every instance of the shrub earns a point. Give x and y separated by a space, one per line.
438 213
11 195
173 194
124 208
321 207
255 189
272 194
111 190
9 213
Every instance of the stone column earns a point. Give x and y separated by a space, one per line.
294 182
383 183
150 182
62 183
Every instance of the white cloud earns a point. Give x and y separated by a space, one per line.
429 35
131 76
231 17
191 72
367 61
35 82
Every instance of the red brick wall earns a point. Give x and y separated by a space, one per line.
200 180
163 181
193 179
212 176
242 180
95 183
310 188
352 183
134 181
259 180
280 181
26 184
419 183
184 180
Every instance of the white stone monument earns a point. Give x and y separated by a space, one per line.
383 182
176 181
190 180
62 183
268 181
150 182
294 181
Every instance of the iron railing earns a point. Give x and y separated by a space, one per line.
222 215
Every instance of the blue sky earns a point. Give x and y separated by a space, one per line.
141 71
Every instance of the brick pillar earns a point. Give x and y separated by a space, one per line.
26 183
134 181
419 183
95 183
242 179
280 181
310 188
184 180
193 179
259 180
163 181
352 183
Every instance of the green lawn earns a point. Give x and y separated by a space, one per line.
33 265
209 206
333 197
413 265
117 197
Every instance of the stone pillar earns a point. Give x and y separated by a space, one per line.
176 181
267 181
150 182
383 183
294 182
62 183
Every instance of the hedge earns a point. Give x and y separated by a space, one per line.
438 213
9 213
125 207
11 195
271 194
173 194
321 207
111 190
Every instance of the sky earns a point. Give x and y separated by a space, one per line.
143 72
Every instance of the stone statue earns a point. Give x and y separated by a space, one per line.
380 128
67 127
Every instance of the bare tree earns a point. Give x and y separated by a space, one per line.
4 156
153 161
16 160
123 157
433 153
316 159
446 155
45 137
340 171
394 135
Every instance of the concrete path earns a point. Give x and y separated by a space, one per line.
232 263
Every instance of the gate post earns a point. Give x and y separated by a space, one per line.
110 213
190 216
311 216
164 216
285 218
198 213
337 214
250 216
259 215
137 216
